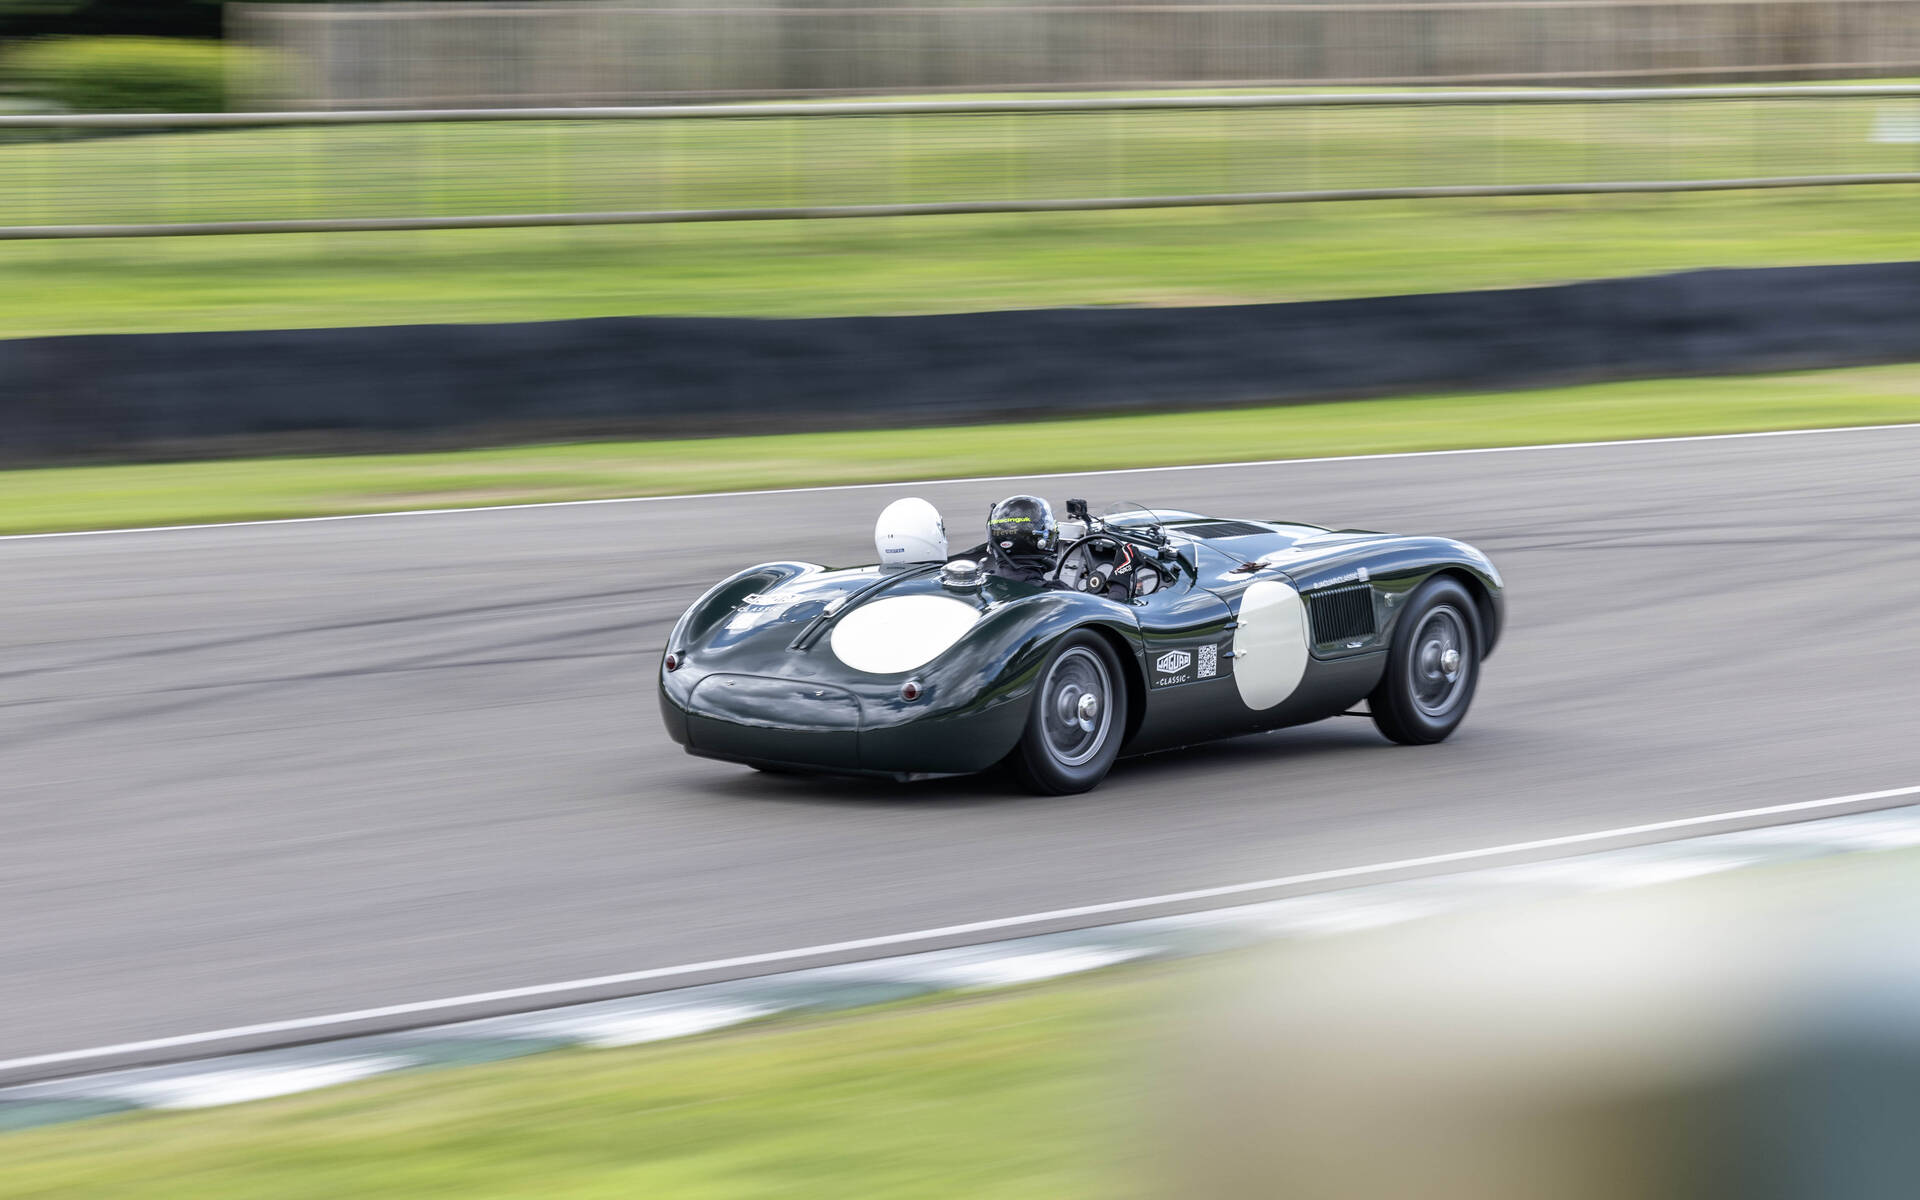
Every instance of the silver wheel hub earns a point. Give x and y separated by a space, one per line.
1439 667
1076 719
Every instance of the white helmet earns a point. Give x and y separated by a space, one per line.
910 531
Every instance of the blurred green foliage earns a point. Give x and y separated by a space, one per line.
124 74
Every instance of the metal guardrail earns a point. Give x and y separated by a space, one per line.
954 208
142 175
1527 97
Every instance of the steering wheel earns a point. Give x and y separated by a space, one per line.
1100 564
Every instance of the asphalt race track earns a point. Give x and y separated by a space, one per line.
271 771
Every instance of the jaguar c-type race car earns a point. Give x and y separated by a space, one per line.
1055 647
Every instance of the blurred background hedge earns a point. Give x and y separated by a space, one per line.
125 74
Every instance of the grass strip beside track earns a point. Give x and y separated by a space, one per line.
932 264
935 264
97 497
1011 1096
924 264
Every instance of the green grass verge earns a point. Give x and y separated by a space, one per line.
916 265
1018 1095
59 498
921 264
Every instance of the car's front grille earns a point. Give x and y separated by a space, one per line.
1341 614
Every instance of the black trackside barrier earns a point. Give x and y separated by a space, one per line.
189 394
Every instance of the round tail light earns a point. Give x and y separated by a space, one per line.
910 690
671 662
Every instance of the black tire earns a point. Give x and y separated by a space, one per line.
1077 721
1419 701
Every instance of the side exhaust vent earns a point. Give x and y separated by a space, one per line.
1341 614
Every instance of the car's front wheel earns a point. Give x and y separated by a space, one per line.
1078 717
1432 666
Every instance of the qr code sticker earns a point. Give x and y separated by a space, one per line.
1209 661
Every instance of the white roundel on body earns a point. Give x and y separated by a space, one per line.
899 633
1270 647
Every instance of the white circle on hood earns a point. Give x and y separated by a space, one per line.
898 633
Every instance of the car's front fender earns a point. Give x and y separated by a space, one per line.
974 698
720 600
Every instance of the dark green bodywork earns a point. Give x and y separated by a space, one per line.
743 692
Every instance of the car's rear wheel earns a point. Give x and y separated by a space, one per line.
1078 717
1432 666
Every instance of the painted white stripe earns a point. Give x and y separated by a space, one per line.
978 969
995 925
237 1085
859 487
629 1024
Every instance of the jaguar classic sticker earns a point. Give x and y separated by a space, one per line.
1174 666
1179 666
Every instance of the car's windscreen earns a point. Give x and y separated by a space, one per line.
1131 515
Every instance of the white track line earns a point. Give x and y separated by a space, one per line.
896 940
856 487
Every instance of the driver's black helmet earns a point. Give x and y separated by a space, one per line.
1021 525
